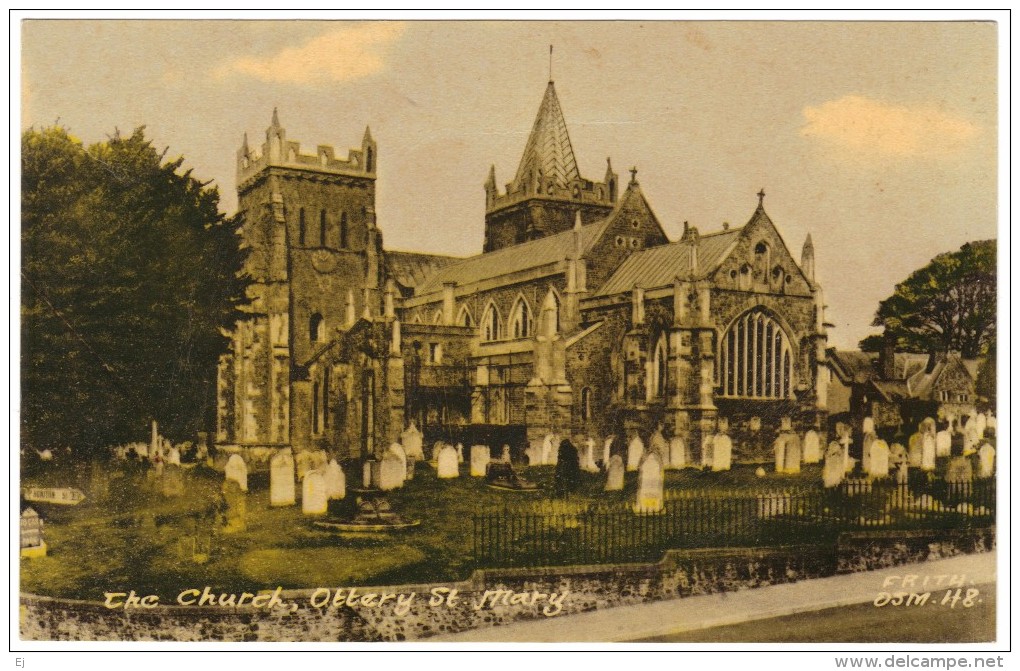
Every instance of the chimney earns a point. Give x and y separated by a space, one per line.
887 358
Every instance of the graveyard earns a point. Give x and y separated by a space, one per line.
159 528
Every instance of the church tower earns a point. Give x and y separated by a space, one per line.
548 192
309 223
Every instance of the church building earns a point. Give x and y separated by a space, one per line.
578 317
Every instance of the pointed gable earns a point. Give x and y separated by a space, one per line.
548 149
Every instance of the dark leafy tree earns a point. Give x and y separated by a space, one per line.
129 273
567 476
948 305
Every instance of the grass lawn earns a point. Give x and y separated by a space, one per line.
134 537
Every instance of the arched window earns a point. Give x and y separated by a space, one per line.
586 404
520 319
437 317
322 228
343 230
301 227
659 368
491 324
316 328
756 358
464 317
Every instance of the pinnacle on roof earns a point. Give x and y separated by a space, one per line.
368 135
276 119
808 245
548 149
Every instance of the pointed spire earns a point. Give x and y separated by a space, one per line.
368 135
807 259
490 182
275 123
548 150
244 145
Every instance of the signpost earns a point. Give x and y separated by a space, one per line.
65 496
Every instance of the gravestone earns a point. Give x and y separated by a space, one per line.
281 479
438 445
868 426
32 542
677 453
447 465
392 470
334 481
707 447
986 461
588 457
879 464
173 456
548 448
505 456
779 447
928 452
237 471
650 484
635 450
981 423
480 457
897 455
834 469
173 480
313 494
460 453
398 450
607 451
869 440
411 439
319 460
902 473
960 471
812 447
971 437
792 454
235 506
533 453
915 449
657 443
303 463
927 425
567 476
722 452
614 480
943 444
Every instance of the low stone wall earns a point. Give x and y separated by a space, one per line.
416 612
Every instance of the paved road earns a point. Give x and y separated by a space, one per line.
664 618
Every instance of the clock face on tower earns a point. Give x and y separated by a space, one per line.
323 261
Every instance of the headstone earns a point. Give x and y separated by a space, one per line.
548 448
812 447
235 506
32 543
779 447
943 444
971 436
438 445
392 470
657 443
411 439
614 481
879 464
707 447
927 425
173 456
534 453
505 456
334 481
460 453
722 452
981 423
897 455
237 471
928 452
588 457
834 469
960 471
303 464
650 484
567 476
792 464
447 465
915 448
986 461
869 440
678 457
319 460
173 480
480 457
607 451
313 494
635 450
398 450
281 479
868 426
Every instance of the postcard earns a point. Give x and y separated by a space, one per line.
509 332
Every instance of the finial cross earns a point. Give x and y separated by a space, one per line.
633 174
761 197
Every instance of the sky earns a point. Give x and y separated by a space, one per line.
879 139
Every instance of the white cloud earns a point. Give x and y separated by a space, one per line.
871 126
348 52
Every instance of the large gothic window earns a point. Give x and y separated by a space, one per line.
491 324
520 319
756 358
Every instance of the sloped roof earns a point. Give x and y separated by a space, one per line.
523 256
411 268
659 266
891 390
548 148
859 367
